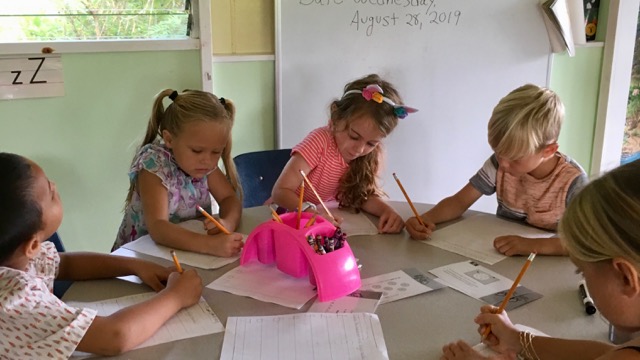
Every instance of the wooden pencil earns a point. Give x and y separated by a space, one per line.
406 196
317 196
300 205
213 220
507 297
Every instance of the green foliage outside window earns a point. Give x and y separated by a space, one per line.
44 20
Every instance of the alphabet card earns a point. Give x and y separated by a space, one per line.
31 76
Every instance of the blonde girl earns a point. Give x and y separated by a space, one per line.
175 169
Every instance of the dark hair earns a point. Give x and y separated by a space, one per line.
20 213
360 181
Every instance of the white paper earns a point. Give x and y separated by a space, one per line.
197 320
146 245
473 237
266 283
400 284
359 301
353 224
557 15
304 336
472 279
487 351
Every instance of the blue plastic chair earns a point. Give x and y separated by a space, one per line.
258 172
59 286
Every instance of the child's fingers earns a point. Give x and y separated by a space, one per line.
155 284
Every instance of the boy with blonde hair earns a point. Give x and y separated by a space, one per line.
533 182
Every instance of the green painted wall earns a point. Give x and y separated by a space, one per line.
85 140
251 85
577 82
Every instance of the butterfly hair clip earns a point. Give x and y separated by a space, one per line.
374 92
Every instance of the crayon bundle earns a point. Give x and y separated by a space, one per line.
326 244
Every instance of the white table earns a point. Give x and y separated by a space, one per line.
414 328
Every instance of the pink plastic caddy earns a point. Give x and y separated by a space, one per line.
335 274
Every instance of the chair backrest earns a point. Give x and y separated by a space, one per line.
258 172
59 286
55 239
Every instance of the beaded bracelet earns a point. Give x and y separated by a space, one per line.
526 342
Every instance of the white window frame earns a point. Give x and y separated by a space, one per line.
200 39
614 85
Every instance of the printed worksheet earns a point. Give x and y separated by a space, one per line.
146 245
475 280
304 336
353 224
197 320
359 301
401 284
473 237
266 283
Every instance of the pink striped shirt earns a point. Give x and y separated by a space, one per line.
320 151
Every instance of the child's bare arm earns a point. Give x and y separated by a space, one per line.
390 221
284 190
453 206
447 209
86 266
230 205
127 328
155 198
517 245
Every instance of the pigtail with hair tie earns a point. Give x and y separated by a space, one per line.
223 101
173 95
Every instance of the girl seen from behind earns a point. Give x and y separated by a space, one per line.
175 169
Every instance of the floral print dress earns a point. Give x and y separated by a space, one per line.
184 192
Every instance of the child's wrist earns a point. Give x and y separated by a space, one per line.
309 206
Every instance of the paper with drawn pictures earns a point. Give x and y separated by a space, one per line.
266 283
487 351
353 224
401 284
146 245
197 320
359 301
473 279
304 336
473 237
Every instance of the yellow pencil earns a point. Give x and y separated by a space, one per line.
507 297
406 196
300 205
275 215
317 196
175 260
213 220
311 221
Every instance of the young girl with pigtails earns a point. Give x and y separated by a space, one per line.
176 168
342 160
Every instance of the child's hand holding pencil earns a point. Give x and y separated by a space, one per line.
504 336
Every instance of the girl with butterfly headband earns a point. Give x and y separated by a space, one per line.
343 159
175 169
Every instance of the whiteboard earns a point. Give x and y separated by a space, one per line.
452 59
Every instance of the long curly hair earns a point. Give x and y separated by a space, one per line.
361 179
